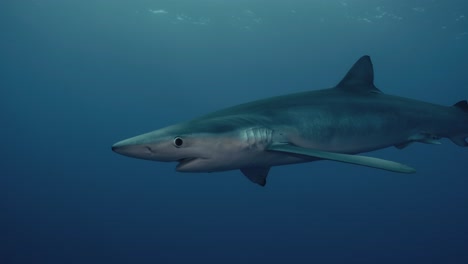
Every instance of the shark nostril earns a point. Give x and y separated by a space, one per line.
149 149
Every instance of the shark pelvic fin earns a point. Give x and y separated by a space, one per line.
460 140
360 78
403 145
347 158
257 175
425 137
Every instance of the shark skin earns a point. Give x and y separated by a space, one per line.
332 124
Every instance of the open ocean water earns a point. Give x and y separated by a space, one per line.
77 76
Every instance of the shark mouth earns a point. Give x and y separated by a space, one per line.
184 162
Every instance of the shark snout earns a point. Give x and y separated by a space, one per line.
125 148
141 147
120 146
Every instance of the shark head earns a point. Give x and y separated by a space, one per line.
197 146
168 145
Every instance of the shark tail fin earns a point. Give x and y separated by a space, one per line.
461 139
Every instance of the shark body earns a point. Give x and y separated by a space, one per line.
333 124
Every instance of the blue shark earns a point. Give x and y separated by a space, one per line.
334 124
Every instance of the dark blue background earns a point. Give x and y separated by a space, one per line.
77 76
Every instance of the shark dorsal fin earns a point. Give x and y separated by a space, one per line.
360 78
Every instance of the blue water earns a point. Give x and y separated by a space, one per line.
76 76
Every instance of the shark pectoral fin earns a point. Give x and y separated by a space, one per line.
353 159
257 175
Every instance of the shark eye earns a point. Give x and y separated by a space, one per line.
178 142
